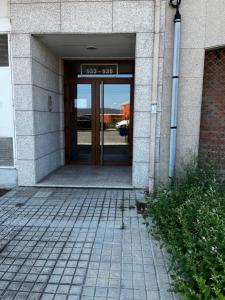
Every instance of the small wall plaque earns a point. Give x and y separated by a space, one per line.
49 103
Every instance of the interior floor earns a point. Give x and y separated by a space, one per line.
90 176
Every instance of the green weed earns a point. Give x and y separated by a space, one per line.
189 218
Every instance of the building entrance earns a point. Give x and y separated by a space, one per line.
99 116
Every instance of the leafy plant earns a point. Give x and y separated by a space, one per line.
123 226
190 219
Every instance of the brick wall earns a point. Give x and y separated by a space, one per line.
212 135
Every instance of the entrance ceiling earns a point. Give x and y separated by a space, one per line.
75 45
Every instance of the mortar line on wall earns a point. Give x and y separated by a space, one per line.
39 134
45 66
34 59
39 111
43 156
35 85
48 90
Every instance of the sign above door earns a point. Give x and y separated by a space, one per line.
99 69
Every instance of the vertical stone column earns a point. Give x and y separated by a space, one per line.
142 108
159 52
27 18
37 108
23 101
148 88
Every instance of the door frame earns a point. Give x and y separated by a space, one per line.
69 94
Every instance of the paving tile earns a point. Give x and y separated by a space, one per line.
63 289
46 296
68 244
101 292
51 288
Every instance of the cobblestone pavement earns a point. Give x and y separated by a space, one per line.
72 244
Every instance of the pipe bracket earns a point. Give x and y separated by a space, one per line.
175 3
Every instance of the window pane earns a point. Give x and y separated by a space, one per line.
116 122
82 123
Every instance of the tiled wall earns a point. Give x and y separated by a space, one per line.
202 27
38 105
47 109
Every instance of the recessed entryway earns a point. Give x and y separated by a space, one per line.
89 176
91 119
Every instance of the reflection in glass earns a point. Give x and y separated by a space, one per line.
116 123
82 123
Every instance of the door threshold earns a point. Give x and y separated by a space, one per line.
88 186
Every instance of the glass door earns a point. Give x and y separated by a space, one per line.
116 123
99 130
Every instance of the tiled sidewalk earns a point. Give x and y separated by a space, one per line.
77 244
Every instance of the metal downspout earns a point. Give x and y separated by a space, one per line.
175 88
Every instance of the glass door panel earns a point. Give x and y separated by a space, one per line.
115 123
82 123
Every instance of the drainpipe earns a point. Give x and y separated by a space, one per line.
175 88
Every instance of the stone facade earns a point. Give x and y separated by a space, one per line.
38 77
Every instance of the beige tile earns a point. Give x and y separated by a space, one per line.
24 122
191 63
44 77
140 175
86 16
47 164
142 124
22 72
187 148
141 147
46 122
144 44
44 55
21 45
142 98
188 122
133 16
23 97
143 71
193 23
35 18
26 172
25 147
47 143
215 23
